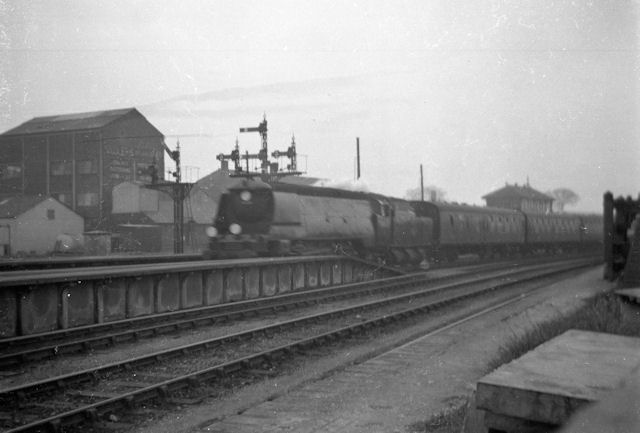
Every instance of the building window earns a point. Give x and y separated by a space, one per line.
87 166
62 197
51 214
61 168
10 171
87 199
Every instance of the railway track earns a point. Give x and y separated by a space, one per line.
181 372
21 350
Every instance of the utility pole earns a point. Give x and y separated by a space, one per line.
178 191
421 184
358 157
263 155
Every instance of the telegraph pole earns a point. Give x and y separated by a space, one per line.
421 184
263 155
358 157
178 191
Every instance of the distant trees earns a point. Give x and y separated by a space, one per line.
431 193
563 197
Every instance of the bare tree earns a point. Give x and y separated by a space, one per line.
431 193
563 197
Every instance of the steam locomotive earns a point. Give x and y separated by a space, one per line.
259 219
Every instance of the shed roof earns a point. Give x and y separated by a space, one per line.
515 191
70 122
13 207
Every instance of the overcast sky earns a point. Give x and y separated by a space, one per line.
479 92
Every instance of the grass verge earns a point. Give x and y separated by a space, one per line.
603 313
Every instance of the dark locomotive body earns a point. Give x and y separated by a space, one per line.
259 219
256 218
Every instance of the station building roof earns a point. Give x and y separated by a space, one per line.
515 191
71 122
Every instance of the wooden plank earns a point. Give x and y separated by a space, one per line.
549 383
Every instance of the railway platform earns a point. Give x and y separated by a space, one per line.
41 301
398 391
545 387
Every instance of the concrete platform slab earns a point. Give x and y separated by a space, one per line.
548 384
618 411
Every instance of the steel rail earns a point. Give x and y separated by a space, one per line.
79 331
164 388
90 374
62 342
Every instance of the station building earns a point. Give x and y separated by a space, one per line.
78 159
30 225
143 218
522 198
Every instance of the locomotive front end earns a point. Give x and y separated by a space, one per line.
242 224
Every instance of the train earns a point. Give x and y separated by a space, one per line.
256 218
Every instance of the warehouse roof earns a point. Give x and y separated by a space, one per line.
524 191
70 122
12 207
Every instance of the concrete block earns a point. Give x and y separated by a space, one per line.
112 300
284 278
361 273
252 283
299 276
311 269
191 293
347 274
269 280
78 305
325 273
168 293
213 287
140 296
336 276
548 384
233 285
39 309
8 313
618 411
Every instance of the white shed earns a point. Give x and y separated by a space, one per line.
31 224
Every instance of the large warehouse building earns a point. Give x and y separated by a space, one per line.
79 158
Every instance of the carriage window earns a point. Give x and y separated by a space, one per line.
451 220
